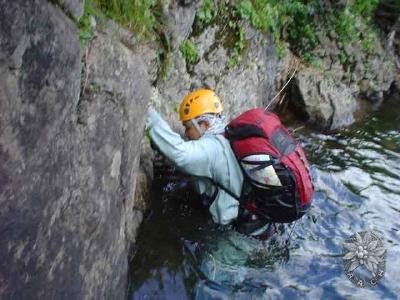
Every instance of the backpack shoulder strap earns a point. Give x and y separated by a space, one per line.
223 188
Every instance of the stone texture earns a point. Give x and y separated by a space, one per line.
179 19
377 66
110 117
73 7
326 103
252 83
39 219
68 163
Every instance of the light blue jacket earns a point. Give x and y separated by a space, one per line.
211 156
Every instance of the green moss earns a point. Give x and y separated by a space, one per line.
189 51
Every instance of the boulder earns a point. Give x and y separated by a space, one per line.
326 103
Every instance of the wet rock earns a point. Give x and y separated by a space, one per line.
111 115
39 79
326 103
68 163
397 83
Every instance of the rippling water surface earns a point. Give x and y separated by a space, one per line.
181 254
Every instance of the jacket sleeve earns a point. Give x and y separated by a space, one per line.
193 157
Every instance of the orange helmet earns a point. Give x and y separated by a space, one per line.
199 102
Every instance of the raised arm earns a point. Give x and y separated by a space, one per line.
192 157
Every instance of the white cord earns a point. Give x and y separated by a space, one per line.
269 104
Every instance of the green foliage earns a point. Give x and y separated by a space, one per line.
85 29
189 51
301 28
367 42
204 16
312 59
292 19
350 25
261 14
343 58
206 12
84 24
137 15
344 24
364 7
298 22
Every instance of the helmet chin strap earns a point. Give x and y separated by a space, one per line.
196 125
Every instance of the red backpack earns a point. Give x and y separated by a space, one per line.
277 182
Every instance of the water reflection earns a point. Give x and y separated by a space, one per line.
181 254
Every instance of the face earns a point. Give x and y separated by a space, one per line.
191 132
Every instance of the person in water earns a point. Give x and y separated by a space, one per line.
207 156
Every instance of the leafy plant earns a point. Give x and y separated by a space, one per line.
85 25
206 12
137 15
189 51
344 24
298 22
364 7
291 19
367 42
343 58
204 15
312 59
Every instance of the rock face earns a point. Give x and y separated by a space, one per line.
325 102
247 85
110 117
68 162
179 19
368 73
73 7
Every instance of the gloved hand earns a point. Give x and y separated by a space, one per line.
149 109
149 106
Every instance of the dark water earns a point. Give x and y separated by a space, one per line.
181 254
